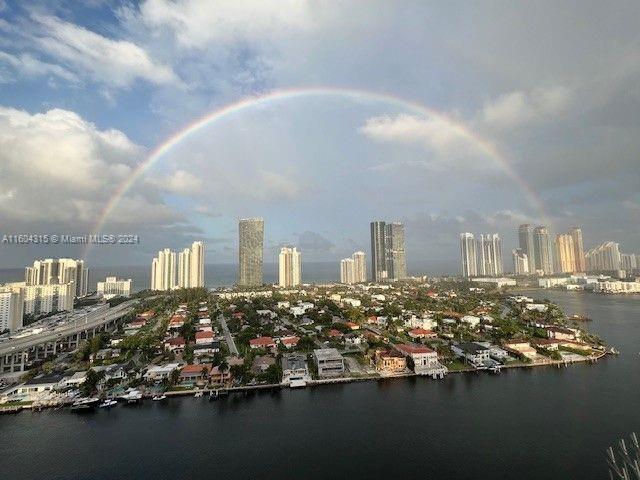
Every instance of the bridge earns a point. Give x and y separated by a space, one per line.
17 354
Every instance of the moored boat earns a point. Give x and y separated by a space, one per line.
110 402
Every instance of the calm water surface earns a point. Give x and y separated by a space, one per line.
526 424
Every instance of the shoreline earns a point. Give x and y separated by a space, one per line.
9 409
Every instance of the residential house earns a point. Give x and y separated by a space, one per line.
329 362
390 361
424 359
295 371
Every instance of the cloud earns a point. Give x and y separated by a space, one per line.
448 144
517 108
206 211
196 23
179 182
57 167
116 63
28 66
314 242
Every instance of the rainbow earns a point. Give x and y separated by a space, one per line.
484 146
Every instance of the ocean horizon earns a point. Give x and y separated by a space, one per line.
216 274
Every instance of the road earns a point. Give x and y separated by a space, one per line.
78 324
227 336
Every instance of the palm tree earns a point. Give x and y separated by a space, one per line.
627 466
223 367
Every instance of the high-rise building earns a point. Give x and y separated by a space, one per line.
395 251
378 255
491 255
520 262
359 267
289 267
346 271
628 262
353 269
163 271
44 299
59 271
578 249
196 277
114 287
525 242
542 250
603 258
565 261
250 252
11 309
468 255
191 266
388 256
182 270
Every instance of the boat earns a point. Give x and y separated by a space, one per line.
213 395
108 403
579 318
84 404
133 396
198 394
157 398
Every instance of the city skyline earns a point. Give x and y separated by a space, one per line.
442 152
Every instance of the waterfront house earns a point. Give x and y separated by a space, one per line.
218 376
295 371
390 361
160 372
476 354
195 374
521 348
561 333
329 362
74 380
424 359
37 387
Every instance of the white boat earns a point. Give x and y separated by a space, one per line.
198 394
84 404
133 396
159 397
108 403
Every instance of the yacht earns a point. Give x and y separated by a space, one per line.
157 398
84 404
108 403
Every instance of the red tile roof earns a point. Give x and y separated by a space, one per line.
204 334
262 342
410 349
290 340
195 368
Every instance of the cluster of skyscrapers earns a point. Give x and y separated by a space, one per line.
185 269
354 268
50 285
538 254
481 257
388 260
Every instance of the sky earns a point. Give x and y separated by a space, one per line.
510 113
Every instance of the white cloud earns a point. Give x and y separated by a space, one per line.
196 23
447 143
179 182
114 62
57 167
520 107
29 66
